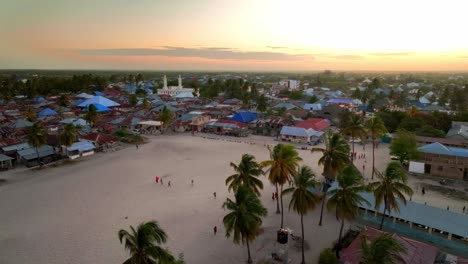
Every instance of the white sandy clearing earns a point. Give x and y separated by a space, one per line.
71 214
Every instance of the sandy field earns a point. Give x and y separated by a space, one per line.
72 213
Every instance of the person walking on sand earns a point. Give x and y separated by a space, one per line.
423 191
464 209
157 179
136 146
169 184
214 195
192 182
215 230
161 182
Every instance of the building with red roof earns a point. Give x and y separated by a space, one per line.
317 124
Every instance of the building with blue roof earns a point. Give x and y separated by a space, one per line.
80 149
99 108
47 112
244 117
300 135
442 161
98 100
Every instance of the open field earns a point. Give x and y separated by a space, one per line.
71 214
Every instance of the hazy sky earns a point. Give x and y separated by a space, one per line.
234 34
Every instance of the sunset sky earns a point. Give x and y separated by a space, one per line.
260 35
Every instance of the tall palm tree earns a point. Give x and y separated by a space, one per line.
376 128
247 173
303 199
92 115
37 137
30 114
384 249
283 164
346 199
335 156
355 130
68 135
144 244
390 188
166 117
245 217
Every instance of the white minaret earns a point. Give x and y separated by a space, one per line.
180 82
165 82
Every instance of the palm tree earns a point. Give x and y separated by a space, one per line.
384 249
144 244
335 156
68 135
390 188
245 217
346 199
355 130
303 199
376 128
166 117
247 173
30 114
37 137
413 111
283 164
92 115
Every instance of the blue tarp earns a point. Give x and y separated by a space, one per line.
47 112
244 117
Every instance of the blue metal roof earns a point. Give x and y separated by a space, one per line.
244 117
81 146
299 132
437 148
47 112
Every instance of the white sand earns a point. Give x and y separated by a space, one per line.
71 214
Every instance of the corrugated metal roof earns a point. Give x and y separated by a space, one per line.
81 146
437 148
299 132
29 154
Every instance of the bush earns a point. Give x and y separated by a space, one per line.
327 256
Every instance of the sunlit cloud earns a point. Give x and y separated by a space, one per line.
390 54
276 47
205 52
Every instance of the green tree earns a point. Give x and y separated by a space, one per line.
91 116
405 146
166 117
303 200
133 100
355 129
247 173
328 257
283 164
30 114
384 249
145 103
63 100
375 84
68 135
313 99
375 127
335 157
244 218
37 137
390 187
346 199
144 244
262 104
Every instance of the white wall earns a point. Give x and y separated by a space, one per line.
417 167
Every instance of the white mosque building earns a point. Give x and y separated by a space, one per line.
176 91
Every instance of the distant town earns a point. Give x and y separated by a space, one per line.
186 127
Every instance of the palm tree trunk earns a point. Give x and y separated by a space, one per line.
341 234
277 201
383 216
249 259
352 154
38 158
302 242
321 209
282 211
373 158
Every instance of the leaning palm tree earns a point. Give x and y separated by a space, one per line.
272 177
346 199
245 217
68 135
375 127
247 172
37 137
303 199
283 164
91 116
390 187
144 244
335 156
355 130
384 249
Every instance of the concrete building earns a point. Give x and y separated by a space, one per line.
442 161
294 84
300 135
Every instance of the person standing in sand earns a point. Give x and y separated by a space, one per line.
214 194
215 230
